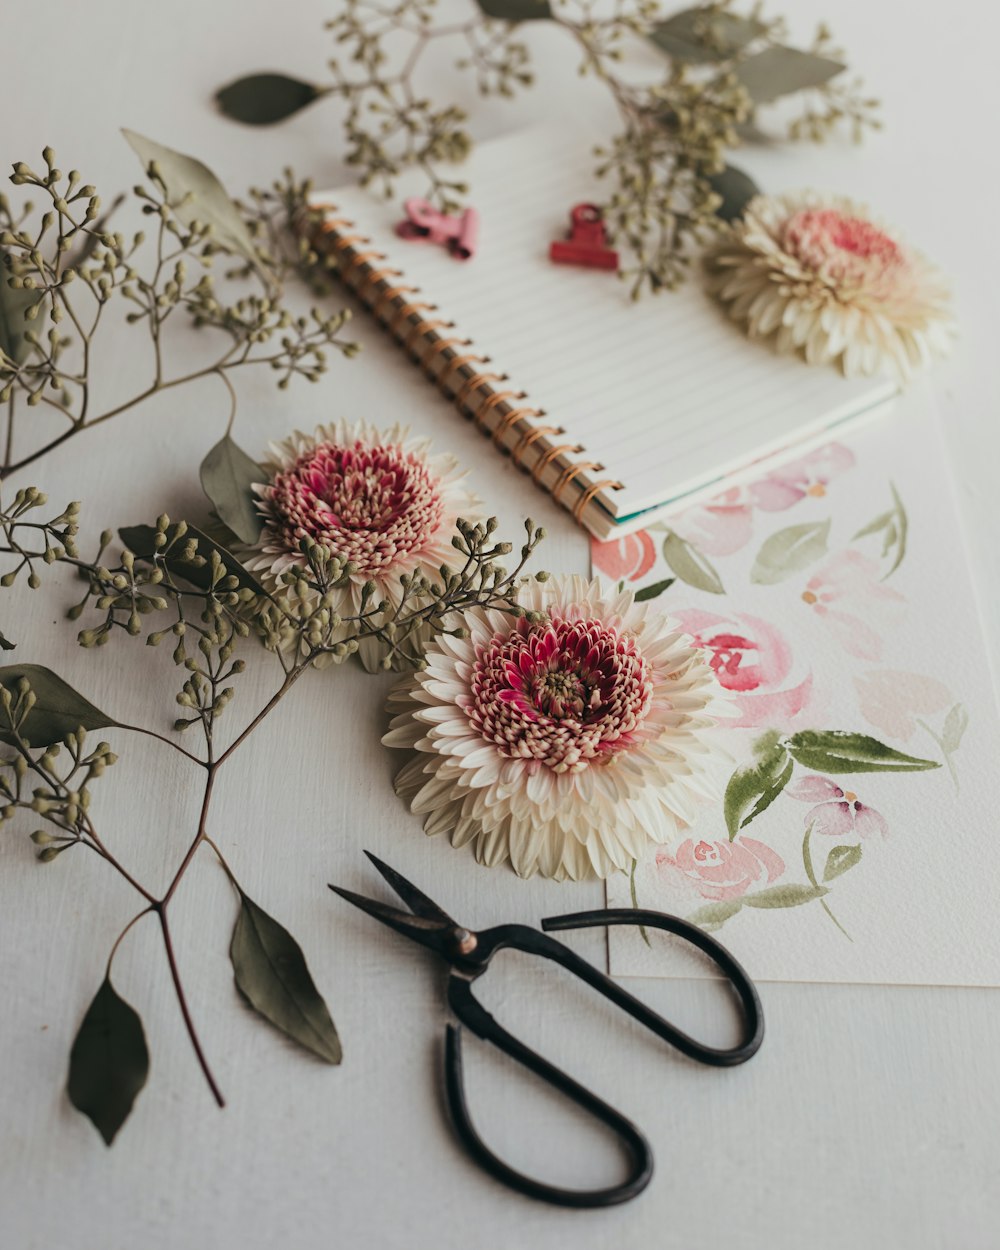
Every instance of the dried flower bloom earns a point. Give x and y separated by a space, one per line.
566 739
375 500
821 277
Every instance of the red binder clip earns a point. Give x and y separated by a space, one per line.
587 243
423 221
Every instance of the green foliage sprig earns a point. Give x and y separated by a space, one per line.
177 586
671 185
64 274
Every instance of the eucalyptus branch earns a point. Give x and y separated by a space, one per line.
172 580
670 180
61 270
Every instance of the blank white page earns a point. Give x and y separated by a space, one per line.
667 393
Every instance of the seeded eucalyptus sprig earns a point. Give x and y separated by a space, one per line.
671 184
188 595
65 275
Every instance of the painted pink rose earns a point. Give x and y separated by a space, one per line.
627 558
892 700
807 477
752 661
848 594
837 812
722 870
718 528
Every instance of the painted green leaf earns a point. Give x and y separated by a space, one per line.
655 590
754 787
779 71
700 37
195 194
736 188
789 551
14 305
140 541
690 565
839 860
109 1062
714 915
227 478
953 731
262 99
59 710
5 643
516 10
839 751
901 521
790 895
272 975
873 527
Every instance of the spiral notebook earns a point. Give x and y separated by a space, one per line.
622 411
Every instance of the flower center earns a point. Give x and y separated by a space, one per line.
562 692
816 235
373 505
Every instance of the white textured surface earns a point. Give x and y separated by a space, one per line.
868 1118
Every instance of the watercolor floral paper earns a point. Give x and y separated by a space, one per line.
855 841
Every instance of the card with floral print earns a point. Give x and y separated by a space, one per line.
853 838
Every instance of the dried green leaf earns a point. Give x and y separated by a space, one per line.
784 896
58 709
262 99
272 975
736 188
196 194
754 787
838 751
789 551
109 1062
654 590
5 642
139 539
700 36
779 71
690 565
516 10
840 859
227 478
14 304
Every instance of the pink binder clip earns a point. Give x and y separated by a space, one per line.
587 243
458 234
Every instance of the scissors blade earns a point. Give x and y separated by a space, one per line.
422 929
415 899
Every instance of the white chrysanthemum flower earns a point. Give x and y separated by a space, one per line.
567 743
820 277
374 498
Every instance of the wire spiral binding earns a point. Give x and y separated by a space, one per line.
394 309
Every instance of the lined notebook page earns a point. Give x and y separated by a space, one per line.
666 393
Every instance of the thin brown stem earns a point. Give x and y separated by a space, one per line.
185 1010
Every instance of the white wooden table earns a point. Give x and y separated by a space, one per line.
868 1120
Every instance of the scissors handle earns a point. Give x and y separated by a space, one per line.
731 968
479 1021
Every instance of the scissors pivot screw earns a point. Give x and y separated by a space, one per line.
463 941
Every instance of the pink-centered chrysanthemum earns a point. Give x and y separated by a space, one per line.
822 278
566 744
374 498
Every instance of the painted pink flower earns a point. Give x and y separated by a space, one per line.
627 558
717 528
850 581
722 870
807 477
892 700
838 813
752 661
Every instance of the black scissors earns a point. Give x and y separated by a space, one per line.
469 954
